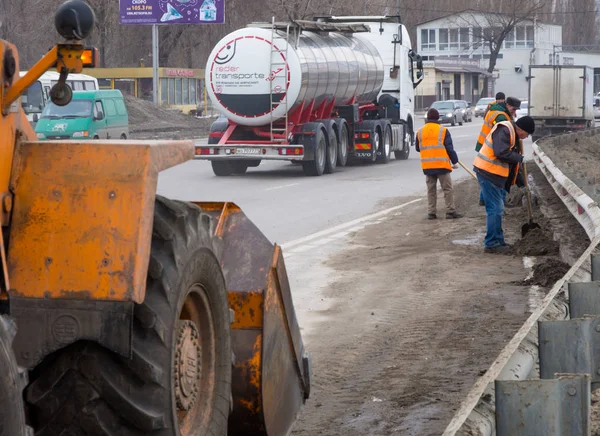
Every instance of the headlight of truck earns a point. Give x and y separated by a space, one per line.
449 114
83 134
40 136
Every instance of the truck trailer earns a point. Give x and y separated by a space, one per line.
316 92
561 98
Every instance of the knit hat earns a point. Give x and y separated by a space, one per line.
514 102
433 114
500 96
526 123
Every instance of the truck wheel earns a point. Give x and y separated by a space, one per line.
332 152
12 382
386 146
375 143
221 168
239 167
178 380
316 167
453 123
406 143
342 158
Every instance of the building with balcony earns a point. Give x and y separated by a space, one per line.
461 38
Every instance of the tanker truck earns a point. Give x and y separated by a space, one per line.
316 92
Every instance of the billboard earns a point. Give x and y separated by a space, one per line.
172 11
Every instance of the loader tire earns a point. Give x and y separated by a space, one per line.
12 381
178 380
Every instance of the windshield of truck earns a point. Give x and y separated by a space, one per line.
32 99
443 106
485 101
75 109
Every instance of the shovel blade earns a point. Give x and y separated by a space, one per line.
528 227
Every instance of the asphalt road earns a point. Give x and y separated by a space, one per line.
287 205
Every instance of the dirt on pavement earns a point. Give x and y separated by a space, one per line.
547 273
420 313
537 242
148 121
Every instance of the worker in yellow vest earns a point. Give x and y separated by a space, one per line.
438 158
497 167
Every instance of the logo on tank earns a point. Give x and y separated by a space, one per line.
248 74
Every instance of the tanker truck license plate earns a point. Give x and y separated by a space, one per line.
247 151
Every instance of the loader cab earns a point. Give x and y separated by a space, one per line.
98 114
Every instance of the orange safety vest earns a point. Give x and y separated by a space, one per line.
487 161
431 144
488 124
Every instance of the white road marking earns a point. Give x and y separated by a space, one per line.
282 186
324 236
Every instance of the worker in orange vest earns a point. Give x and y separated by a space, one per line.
497 167
499 111
500 97
438 158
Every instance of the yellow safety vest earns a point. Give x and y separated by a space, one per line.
431 144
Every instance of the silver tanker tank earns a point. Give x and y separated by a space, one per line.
246 67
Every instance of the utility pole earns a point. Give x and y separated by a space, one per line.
155 64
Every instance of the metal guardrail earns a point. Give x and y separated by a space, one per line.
513 379
581 205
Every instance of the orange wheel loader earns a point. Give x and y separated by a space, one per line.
122 312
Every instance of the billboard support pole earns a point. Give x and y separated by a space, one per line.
155 64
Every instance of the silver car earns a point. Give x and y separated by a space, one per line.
450 112
465 110
482 105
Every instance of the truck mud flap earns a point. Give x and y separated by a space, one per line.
271 374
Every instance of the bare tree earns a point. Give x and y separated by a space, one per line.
490 29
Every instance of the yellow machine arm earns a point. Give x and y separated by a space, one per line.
66 58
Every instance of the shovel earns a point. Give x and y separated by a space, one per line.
527 227
467 169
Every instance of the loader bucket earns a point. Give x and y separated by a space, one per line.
271 376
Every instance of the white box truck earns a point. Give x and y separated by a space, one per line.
561 98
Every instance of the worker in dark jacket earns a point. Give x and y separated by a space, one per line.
498 112
497 167
437 160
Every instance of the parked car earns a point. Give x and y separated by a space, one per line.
465 110
482 105
524 110
450 112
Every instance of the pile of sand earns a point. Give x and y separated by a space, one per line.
148 121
